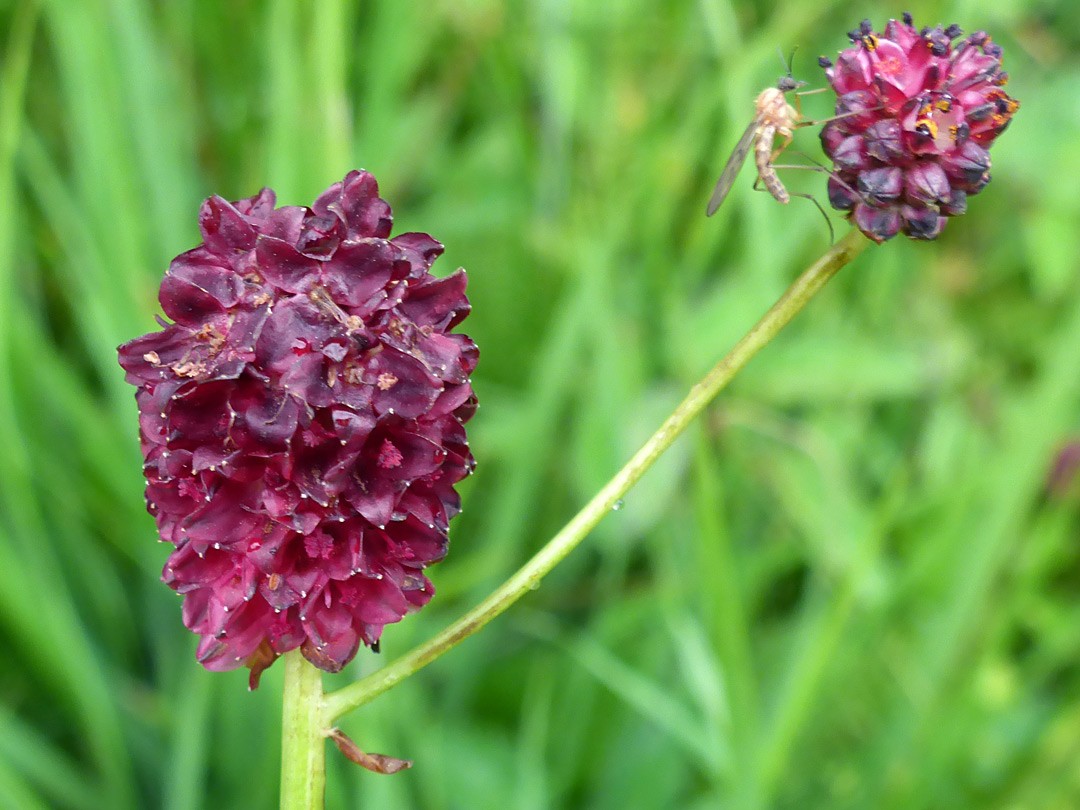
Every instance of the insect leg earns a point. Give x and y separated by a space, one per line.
777 150
833 175
813 123
813 199
798 99
817 167
810 197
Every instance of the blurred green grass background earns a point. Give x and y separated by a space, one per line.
847 589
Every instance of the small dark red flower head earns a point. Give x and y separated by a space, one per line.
302 423
919 110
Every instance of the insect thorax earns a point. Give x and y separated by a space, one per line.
773 110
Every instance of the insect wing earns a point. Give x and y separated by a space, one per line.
735 162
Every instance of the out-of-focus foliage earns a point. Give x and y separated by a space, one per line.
847 589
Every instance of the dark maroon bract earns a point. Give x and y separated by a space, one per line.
919 111
302 424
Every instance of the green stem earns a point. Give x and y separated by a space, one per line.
303 736
528 577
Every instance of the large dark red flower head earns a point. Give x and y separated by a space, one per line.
919 111
302 424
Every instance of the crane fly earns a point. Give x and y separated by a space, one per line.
774 117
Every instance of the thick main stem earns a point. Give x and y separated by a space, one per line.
303 740
529 576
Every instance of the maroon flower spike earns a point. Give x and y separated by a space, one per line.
919 112
302 424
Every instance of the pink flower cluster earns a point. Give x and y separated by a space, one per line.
918 111
302 423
